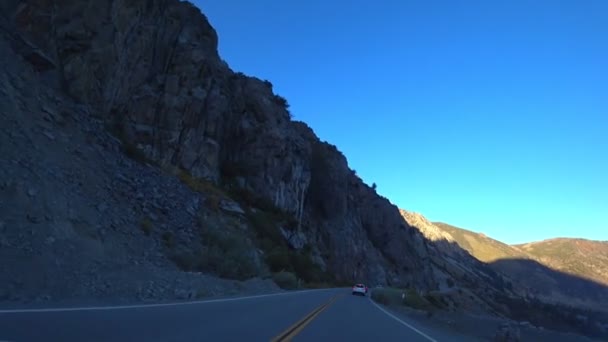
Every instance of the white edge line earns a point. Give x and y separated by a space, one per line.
402 322
122 307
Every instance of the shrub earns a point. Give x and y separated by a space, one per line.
305 268
213 202
392 296
200 185
232 264
281 101
202 293
131 151
227 255
186 261
279 255
278 259
387 296
266 227
168 239
436 300
146 225
381 296
285 280
414 300
250 199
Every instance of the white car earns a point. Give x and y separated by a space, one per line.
360 289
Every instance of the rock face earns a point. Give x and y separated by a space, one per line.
428 229
79 219
148 73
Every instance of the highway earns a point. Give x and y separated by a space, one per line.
313 315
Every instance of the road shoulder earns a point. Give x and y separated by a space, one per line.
457 326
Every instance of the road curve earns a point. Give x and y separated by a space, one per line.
314 315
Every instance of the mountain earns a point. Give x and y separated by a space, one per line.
580 257
131 148
482 247
555 270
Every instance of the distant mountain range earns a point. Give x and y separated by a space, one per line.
575 260
581 257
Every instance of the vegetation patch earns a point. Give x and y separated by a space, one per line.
146 225
436 300
230 171
281 101
265 207
202 293
224 253
386 296
214 194
200 185
286 280
279 256
133 152
168 239
227 253
404 297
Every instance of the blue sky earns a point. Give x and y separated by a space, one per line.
489 115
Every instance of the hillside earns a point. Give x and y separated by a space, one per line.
482 247
555 270
581 257
138 164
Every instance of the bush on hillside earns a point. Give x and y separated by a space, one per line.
393 296
227 255
224 254
146 225
286 280
381 296
278 259
280 100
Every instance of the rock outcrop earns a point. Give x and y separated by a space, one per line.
79 220
428 229
149 74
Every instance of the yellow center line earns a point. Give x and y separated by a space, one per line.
297 327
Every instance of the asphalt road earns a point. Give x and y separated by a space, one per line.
315 315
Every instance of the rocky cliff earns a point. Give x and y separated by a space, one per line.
144 78
137 165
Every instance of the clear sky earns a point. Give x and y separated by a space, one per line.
488 115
